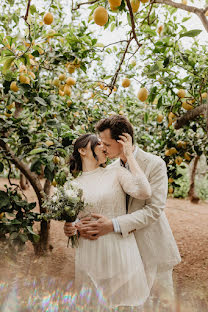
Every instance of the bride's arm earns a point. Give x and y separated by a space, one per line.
134 182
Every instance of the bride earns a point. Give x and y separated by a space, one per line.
111 263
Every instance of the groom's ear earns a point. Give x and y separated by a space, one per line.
82 151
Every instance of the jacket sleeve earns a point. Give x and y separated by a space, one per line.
153 207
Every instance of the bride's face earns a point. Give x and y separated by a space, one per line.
99 151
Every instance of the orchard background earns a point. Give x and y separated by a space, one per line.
58 78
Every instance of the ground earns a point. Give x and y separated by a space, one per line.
189 225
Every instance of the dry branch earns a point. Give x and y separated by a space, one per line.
83 3
31 176
191 115
199 12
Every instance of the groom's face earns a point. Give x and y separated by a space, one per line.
111 147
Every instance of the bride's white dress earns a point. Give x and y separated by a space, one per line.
112 263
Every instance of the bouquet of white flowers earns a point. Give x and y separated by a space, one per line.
64 205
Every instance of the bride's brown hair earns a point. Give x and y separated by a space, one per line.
75 162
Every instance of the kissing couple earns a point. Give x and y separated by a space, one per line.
126 246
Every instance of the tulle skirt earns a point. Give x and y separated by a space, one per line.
113 265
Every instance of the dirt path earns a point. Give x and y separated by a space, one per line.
189 223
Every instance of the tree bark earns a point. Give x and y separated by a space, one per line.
199 12
43 245
193 197
191 115
23 182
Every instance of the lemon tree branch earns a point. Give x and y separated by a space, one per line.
199 12
83 3
31 176
27 12
132 22
114 78
191 115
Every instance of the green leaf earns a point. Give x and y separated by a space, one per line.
1 167
40 100
146 117
33 9
29 228
4 199
191 33
23 237
113 26
129 19
36 238
7 64
159 103
147 29
48 173
37 151
13 235
153 94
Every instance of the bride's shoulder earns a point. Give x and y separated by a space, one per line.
113 167
114 164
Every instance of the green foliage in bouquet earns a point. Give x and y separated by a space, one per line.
64 205
16 220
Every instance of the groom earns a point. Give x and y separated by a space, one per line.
146 218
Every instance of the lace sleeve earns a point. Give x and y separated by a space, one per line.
136 186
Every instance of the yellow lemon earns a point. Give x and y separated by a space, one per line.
54 183
13 86
56 82
70 81
100 16
167 152
142 94
173 150
56 160
187 156
160 29
114 3
67 90
126 83
187 106
135 5
159 118
181 93
170 180
48 18
71 69
62 77
49 143
204 95
178 160
170 190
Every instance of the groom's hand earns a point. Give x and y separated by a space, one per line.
93 229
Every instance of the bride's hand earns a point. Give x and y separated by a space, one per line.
69 229
126 141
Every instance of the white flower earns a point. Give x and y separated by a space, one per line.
70 193
54 198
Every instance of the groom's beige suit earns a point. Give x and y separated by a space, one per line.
147 219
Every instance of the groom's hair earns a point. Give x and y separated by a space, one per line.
117 125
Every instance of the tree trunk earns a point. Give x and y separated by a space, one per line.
193 197
24 184
43 245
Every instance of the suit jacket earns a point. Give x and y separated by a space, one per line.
147 219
